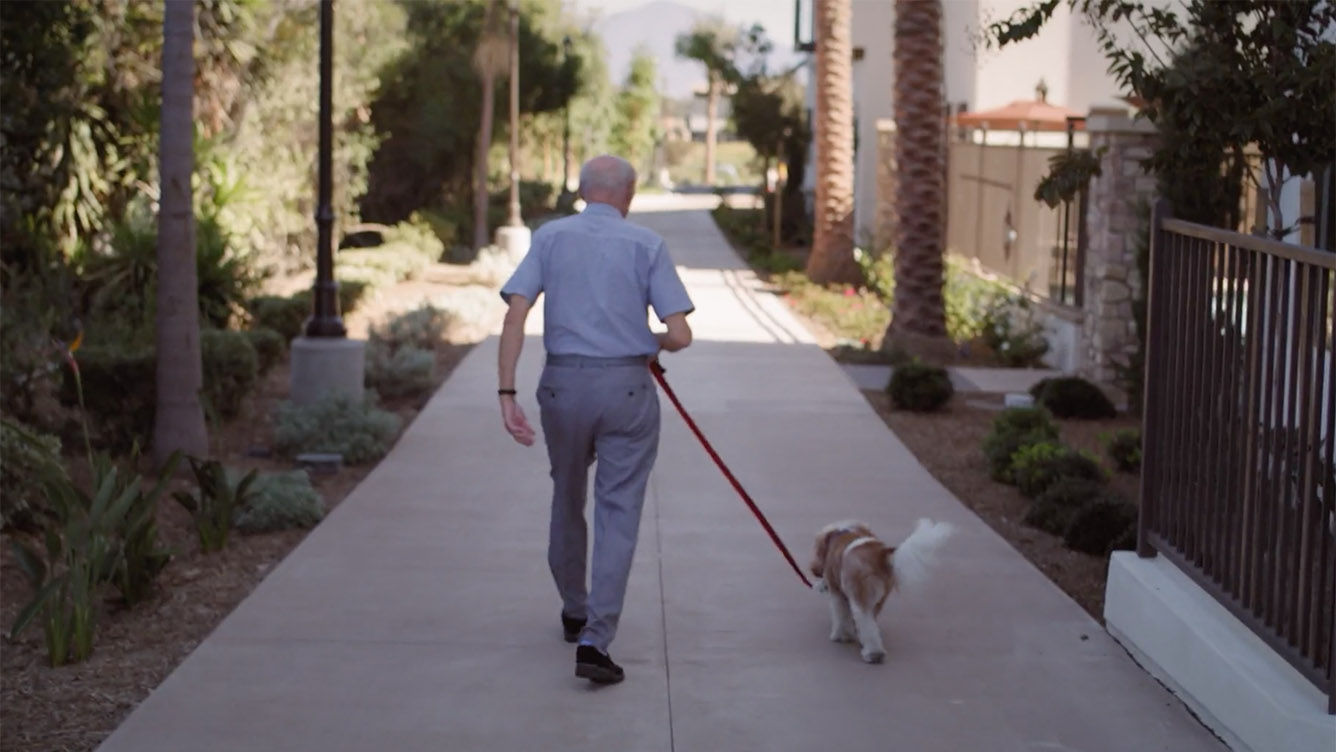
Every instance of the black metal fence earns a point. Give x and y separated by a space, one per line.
1238 485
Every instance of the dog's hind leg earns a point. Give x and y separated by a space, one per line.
869 634
841 621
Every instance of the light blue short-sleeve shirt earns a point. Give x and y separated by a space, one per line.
601 275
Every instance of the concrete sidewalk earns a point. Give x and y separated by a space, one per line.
420 615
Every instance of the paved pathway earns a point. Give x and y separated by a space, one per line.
420 616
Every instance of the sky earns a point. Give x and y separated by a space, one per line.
775 15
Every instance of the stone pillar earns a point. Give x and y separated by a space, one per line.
1111 279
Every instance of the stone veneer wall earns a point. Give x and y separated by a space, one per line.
1109 336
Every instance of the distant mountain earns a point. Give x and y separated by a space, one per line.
656 26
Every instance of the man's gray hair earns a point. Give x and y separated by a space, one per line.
606 174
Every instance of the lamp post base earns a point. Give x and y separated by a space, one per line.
514 241
323 365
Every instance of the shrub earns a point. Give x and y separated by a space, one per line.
1055 508
1099 524
1073 397
231 369
269 347
1124 448
1126 540
350 293
1009 329
215 501
284 315
423 327
125 279
405 372
1036 467
225 277
422 234
28 459
119 396
919 387
1013 429
279 501
382 265
353 428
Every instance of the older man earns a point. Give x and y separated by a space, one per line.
596 395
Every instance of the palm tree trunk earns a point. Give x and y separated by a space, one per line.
480 197
179 417
711 118
918 318
832 257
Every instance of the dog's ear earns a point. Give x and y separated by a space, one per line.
818 566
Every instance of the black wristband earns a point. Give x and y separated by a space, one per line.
506 391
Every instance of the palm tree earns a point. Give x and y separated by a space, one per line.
832 257
491 58
918 317
711 43
179 418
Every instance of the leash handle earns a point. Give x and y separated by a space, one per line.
658 371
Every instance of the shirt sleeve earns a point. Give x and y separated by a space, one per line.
527 279
666 292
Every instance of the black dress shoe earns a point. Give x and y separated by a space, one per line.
571 627
596 667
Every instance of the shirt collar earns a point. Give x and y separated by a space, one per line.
601 209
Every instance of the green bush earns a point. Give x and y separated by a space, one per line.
1073 397
1126 540
1034 468
381 265
350 292
405 372
278 501
423 327
1013 429
1124 448
1054 509
28 460
269 347
118 388
125 279
353 428
119 385
231 369
421 233
1009 329
919 387
1099 524
286 316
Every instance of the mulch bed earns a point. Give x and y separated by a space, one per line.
948 442
75 707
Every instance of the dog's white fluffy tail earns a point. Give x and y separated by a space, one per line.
912 559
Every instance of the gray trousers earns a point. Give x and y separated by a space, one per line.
605 411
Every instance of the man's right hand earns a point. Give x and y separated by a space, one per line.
517 425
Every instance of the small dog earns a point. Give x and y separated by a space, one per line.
857 571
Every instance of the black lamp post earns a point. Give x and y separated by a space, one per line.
514 219
566 129
325 321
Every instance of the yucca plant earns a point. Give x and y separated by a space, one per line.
217 499
78 551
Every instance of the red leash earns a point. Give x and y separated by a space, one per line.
657 370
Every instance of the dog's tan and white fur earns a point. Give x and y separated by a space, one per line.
857 571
